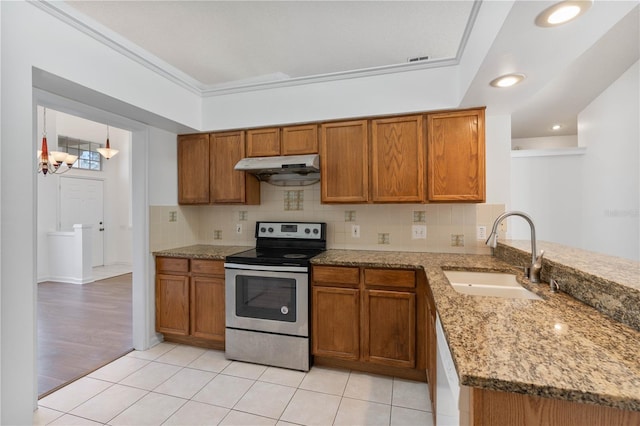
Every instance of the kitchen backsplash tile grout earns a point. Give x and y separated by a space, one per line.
196 224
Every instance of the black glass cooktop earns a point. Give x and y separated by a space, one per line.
274 256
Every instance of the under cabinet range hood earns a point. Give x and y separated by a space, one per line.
288 170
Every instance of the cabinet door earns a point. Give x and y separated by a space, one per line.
193 169
336 319
172 304
263 142
298 140
229 186
389 330
207 308
397 160
456 156
344 160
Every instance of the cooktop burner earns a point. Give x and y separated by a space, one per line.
295 256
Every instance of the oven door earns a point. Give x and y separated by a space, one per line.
267 301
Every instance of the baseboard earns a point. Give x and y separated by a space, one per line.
71 280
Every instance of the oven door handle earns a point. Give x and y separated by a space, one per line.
279 268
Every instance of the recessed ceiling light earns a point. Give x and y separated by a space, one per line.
562 12
556 127
507 80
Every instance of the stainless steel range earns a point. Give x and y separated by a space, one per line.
267 295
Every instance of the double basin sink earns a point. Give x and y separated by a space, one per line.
492 284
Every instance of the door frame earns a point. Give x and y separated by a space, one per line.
143 292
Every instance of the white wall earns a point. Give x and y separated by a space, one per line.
32 38
588 201
163 168
419 90
550 142
609 129
550 190
115 176
498 143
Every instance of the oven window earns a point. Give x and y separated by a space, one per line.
266 298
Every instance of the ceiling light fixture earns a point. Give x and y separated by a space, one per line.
562 13
556 127
107 152
51 162
507 80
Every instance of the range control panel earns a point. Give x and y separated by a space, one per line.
299 230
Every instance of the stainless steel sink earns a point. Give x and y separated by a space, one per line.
493 284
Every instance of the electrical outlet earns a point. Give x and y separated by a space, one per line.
217 234
481 233
238 228
355 231
173 216
419 232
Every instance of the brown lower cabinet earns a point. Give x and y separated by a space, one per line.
190 301
340 336
489 407
368 319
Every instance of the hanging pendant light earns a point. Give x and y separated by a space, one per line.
107 152
51 162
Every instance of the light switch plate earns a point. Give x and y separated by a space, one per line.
481 233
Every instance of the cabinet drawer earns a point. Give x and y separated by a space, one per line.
172 264
209 267
390 278
337 275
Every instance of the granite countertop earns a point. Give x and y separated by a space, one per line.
557 347
202 251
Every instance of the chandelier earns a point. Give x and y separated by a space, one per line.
107 152
54 162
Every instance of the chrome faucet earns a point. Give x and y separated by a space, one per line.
536 261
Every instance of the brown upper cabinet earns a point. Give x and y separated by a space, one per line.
193 169
298 140
456 156
429 157
229 186
386 168
206 174
263 142
291 140
397 160
344 162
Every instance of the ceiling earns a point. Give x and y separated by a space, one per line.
227 44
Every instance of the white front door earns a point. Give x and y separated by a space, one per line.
81 201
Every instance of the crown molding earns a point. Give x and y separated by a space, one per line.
118 43
134 52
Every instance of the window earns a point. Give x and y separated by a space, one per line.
88 156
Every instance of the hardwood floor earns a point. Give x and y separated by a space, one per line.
81 328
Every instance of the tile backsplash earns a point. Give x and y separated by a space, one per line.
381 226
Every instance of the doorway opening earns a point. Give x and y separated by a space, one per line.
83 324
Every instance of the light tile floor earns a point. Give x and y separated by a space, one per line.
173 384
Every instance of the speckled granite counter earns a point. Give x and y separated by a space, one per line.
202 251
557 347
609 284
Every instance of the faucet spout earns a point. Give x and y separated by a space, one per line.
536 261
